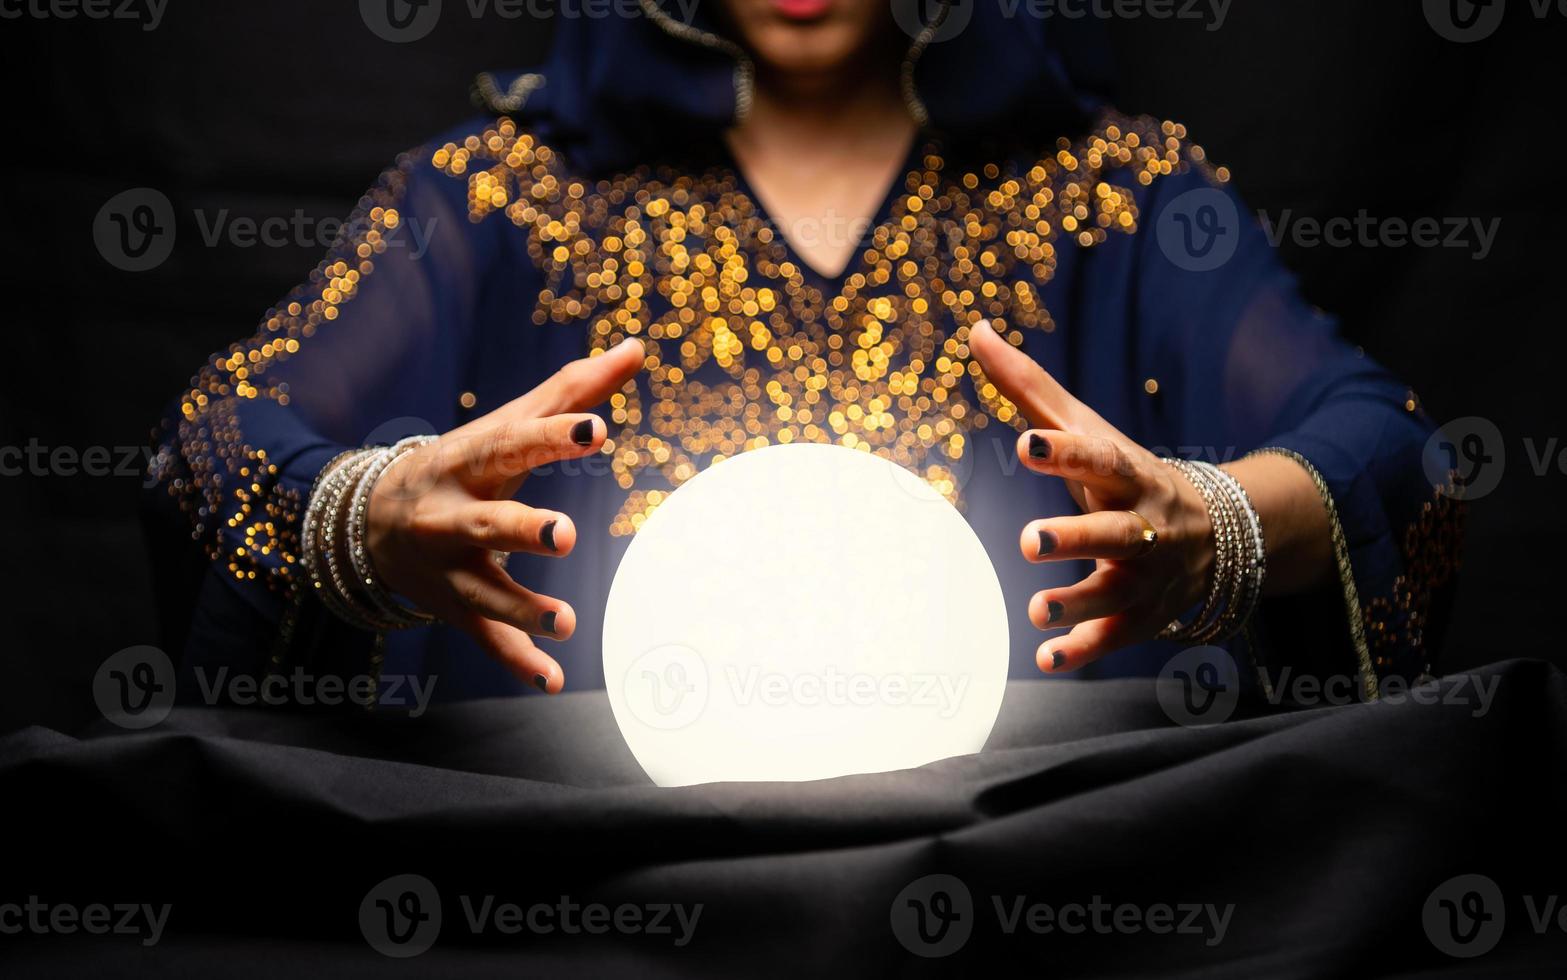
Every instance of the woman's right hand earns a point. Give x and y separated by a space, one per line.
438 513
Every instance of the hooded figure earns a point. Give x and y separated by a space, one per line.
595 200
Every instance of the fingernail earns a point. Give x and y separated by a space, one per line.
1057 661
1048 542
1053 612
547 535
1038 446
541 682
582 433
547 623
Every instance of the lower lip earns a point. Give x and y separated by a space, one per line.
802 9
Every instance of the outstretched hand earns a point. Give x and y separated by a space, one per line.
438 514
1137 587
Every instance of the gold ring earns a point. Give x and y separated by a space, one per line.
1149 536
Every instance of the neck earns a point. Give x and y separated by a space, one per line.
842 111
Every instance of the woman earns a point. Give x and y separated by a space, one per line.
794 222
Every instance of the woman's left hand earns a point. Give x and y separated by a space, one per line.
1135 590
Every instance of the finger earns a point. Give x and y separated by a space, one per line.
501 453
516 650
489 592
1114 535
1030 387
506 525
1099 463
1091 640
584 383
1105 592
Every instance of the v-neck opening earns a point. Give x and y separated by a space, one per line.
879 217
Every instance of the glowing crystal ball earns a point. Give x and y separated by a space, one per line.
802 612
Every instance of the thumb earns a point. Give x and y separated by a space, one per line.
1040 397
584 383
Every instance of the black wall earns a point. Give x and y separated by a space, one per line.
1322 108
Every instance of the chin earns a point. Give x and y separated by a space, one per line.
809 48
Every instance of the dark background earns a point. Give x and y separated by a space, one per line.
268 109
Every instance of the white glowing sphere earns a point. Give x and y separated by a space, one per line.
802 612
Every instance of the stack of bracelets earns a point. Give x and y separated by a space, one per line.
333 540
1240 560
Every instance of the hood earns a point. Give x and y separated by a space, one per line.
619 91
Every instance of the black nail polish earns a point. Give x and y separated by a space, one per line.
1053 612
1057 661
582 433
541 682
547 535
1047 542
1038 446
547 623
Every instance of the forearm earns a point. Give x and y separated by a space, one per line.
1294 522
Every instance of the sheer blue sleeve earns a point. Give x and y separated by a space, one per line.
1234 361
371 347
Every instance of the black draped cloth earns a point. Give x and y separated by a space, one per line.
518 837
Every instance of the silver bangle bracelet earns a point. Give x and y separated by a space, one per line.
358 553
333 535
1240 556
